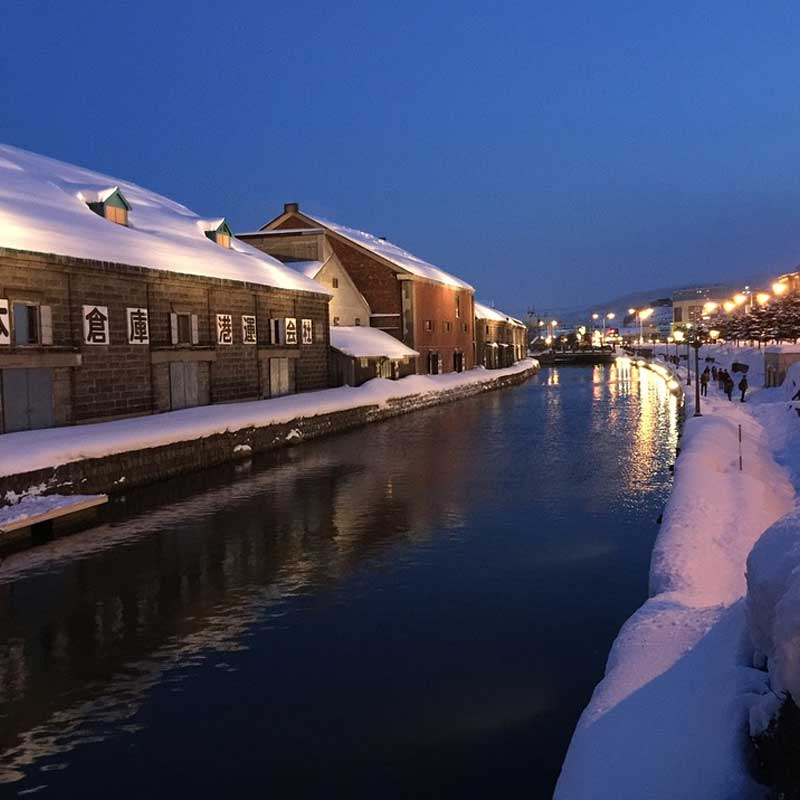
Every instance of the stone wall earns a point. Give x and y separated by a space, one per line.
114 474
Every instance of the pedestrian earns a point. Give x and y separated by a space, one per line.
721 375
728 386
713 374
743 386
704 382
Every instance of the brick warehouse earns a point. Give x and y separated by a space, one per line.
501 340
423 306
117 302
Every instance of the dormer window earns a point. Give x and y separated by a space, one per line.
218 231
107 202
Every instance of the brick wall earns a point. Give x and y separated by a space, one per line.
122 379
436 303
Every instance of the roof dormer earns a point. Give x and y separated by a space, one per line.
217 230
107 202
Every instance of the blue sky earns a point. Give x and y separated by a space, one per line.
553 154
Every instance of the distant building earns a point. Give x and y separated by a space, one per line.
688 304
116 301
423 306
501 340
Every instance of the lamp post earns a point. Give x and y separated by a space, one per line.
697 344
688 358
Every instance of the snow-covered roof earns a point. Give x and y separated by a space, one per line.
391 252
484 312
362 342
43 209
308 268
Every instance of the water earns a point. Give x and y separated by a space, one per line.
417 609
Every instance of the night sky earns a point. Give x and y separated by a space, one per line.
552 154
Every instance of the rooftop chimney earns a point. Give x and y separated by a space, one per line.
289 208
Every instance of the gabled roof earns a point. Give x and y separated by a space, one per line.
485 312
43 208
394 254
99 194
215 225
361 342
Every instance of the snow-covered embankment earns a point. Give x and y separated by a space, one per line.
669 719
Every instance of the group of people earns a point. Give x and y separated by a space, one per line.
724 380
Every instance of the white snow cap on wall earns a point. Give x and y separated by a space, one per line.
362 342
484 312
392 252
43 209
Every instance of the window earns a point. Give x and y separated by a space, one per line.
487 330
448 326
465 328
184 328
364 362
277 331
678 317
335 283
336 321
458 306
223 239
114 214
357 321
428 324
26 323
31 323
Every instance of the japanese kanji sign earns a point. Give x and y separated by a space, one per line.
307 331
138 326
5 323
249 329
224 329
95 325
291 330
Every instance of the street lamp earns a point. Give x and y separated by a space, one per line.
643 314
697 344
779 288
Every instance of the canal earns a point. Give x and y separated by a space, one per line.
420 608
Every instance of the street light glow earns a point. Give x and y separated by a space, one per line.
631 310
611 315
646 313
595 316
779 287
739 298
728 305
710 307
762 298
714 334
679 337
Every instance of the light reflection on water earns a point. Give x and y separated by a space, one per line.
416 594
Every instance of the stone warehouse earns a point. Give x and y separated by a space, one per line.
501 340
378 284
115 301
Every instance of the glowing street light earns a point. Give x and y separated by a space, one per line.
779 288
710 307
762 298
739 298
728 305
714 334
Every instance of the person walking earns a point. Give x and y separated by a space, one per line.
743 386
721 375
728 386
704 383
714 374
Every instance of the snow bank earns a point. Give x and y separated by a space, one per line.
32 450
668 720
362 342
43 209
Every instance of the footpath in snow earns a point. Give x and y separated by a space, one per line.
28 451
670 718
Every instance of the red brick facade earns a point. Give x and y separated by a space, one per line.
435 319
93 382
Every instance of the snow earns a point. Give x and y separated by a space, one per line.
33 506
393 253
485 312
26 451
362 342
669 719
308 268
43 209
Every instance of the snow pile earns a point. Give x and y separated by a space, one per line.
669 718
362 342
30 507
308 268
393 253
43 209
32 450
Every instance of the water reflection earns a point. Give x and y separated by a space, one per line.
471 526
